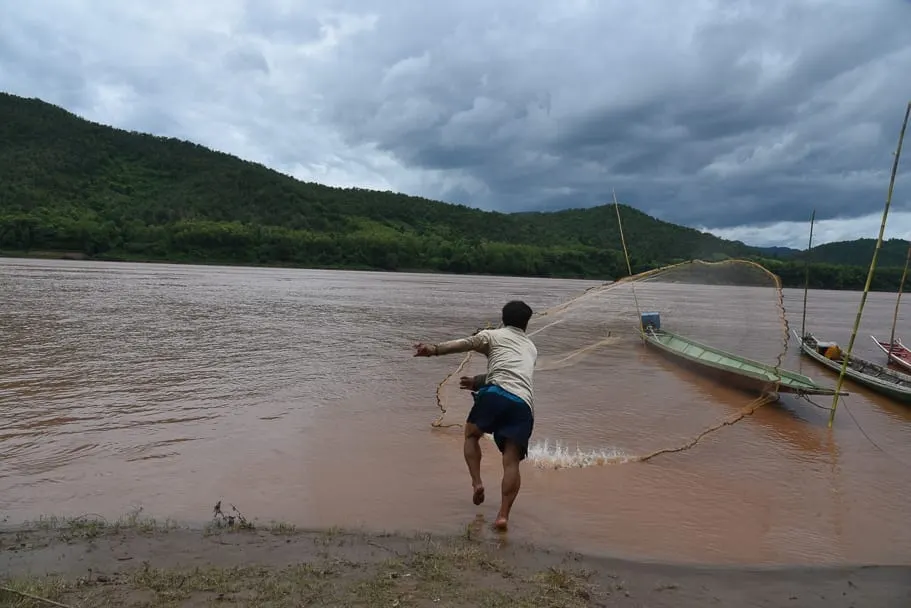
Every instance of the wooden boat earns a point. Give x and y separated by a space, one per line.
900 354
733 370
876 377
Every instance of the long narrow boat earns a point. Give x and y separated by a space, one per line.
735 371
876 377
898 353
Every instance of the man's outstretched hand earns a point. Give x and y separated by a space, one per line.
424 350
466 383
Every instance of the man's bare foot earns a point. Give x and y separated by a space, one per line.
478 497
501 523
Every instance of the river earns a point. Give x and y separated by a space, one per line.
293 395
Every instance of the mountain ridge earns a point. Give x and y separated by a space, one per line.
68 184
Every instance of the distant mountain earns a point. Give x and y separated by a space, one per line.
70 185
859 252
893 252
778 252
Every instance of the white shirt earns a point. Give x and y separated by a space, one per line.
511 358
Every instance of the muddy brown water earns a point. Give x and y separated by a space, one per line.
293 395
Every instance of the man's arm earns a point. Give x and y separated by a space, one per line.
478 343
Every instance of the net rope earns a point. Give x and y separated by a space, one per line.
593 360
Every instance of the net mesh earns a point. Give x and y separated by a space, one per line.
600 387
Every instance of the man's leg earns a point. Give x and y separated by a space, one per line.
512 481
473 460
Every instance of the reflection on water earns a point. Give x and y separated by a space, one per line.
293 394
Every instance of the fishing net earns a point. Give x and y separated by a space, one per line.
601 390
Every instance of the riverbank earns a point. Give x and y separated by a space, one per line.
91 562
226 263
790 273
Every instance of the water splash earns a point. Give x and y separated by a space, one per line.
545 455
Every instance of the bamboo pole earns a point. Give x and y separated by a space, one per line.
879 242
806 284
898 300
629 266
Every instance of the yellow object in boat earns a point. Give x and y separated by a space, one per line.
833 352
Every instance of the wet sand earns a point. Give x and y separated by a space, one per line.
143 563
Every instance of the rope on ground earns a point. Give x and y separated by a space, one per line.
33 597
746 411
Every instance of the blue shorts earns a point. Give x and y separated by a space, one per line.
504 415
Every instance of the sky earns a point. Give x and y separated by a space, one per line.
734 116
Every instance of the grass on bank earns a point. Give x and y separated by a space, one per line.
450 574
458 572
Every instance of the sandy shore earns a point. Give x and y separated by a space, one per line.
91 562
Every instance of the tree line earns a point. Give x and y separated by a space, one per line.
372 247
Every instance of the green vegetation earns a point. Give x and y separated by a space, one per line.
457 574
71 186
833 276
313 568
845 253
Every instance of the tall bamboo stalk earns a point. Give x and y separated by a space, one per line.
898 300
879 243
806 283
629 266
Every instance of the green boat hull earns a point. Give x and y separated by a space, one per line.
730 369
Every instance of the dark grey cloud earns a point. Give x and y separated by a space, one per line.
714 113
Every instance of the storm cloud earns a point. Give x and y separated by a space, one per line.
735 116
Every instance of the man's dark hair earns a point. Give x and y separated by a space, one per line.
516 313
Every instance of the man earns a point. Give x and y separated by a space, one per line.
503 398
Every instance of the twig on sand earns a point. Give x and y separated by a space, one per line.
34 597
385 548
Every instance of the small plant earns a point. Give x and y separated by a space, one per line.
234 520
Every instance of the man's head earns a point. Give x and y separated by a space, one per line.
516 314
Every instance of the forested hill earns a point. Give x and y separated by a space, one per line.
69 185
893 252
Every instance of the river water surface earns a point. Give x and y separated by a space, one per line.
293 395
